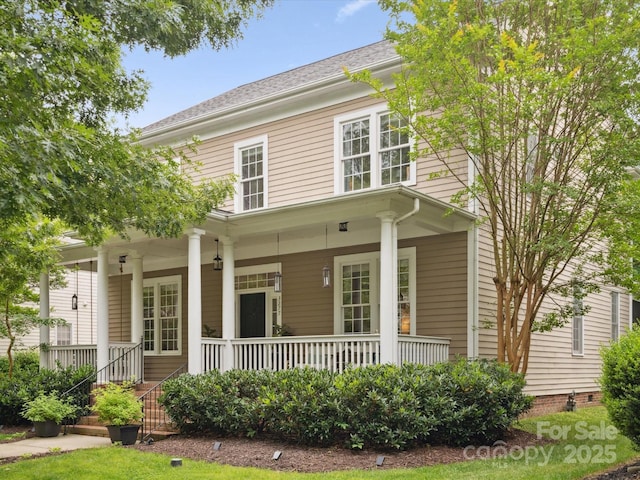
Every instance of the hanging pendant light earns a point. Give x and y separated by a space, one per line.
217 261
277 278
326 271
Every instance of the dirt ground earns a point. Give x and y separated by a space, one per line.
260 453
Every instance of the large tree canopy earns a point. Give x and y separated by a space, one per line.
61 83
544 96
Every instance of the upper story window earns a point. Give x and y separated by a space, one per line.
251 169
371 150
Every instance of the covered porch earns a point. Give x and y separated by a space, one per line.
381 250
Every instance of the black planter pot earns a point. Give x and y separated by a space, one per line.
126 434
47 429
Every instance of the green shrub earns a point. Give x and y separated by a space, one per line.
620 383
300 404
381 406
29 381
48 407
216 402
475 401
117 405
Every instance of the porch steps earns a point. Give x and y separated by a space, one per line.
89 425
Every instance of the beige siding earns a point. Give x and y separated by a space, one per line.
82 321
442 288
553 369
301 157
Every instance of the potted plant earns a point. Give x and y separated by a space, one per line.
47 411
119 409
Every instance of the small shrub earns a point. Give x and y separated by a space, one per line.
48 408
475 400
117 405
380 406
300 404
216 402
620 383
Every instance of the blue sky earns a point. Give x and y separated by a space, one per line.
290 34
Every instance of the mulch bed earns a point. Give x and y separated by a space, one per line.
259 453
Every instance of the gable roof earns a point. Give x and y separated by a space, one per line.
379 53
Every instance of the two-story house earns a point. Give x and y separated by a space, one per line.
334 237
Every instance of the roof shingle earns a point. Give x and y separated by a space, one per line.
298 77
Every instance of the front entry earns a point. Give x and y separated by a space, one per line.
252 314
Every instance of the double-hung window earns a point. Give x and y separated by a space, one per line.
251 169
577 325
372 150
357 303
615 316
162 315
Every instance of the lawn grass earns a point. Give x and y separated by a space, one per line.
585 444
11 436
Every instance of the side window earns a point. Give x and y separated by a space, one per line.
63 334
162 315
578 323
615 316
251 169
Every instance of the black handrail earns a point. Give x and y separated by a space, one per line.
156 417
81 391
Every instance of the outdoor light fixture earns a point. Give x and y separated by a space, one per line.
326 276
74 302
277 278
217 261
326 271
343 226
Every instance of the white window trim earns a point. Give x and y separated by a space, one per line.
155 282
237 161
373 258
373 114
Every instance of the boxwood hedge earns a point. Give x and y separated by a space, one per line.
382 406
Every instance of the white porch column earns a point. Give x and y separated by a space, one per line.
194 326
388 294
44 313
228 301
136 298
102 320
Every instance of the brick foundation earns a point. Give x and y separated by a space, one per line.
557 403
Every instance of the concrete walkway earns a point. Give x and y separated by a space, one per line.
61 443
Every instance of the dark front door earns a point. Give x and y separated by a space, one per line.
252 315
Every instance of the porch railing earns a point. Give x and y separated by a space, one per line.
126 360
329 352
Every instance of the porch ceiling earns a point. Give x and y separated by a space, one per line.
300 227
